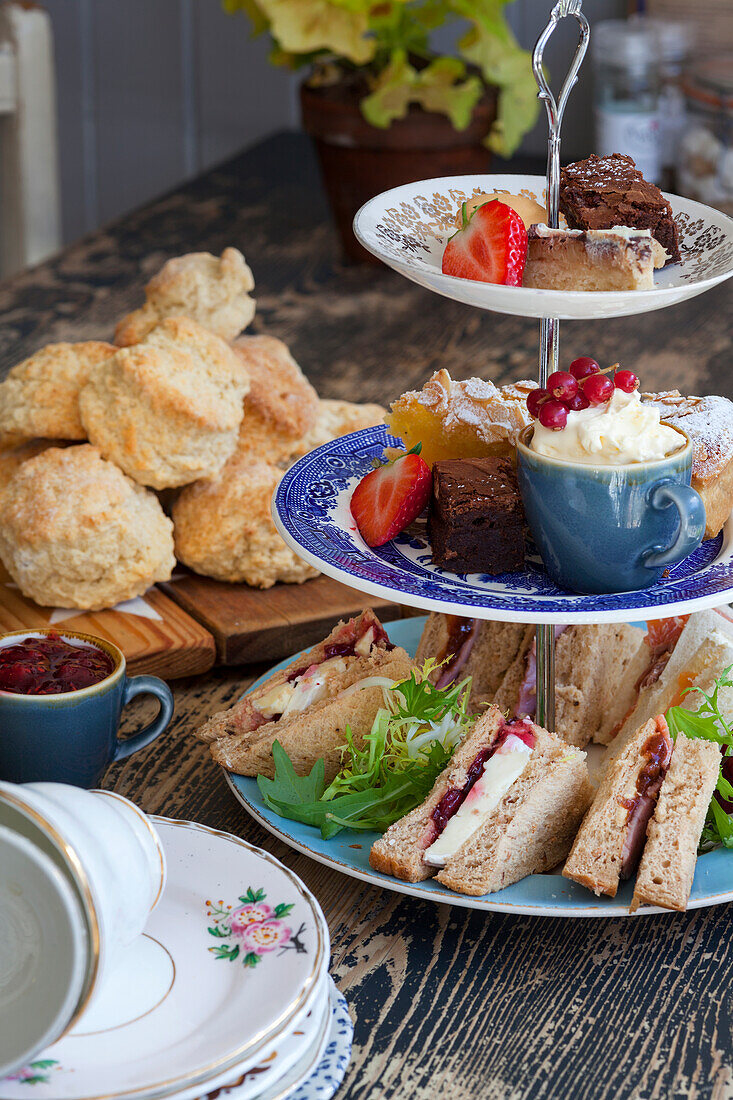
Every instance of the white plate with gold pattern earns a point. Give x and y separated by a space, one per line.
408 228
233 958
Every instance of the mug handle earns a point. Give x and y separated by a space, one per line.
146 685
691 511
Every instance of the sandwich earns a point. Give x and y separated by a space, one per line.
308 705
465 647
595 672
507 805
649 813
596 669
681 653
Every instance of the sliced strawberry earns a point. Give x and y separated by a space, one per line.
389 498
491 247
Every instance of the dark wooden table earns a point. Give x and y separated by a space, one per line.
447 1002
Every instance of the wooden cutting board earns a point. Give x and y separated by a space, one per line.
251 625
154 633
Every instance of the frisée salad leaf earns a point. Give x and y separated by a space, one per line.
411 741
708 723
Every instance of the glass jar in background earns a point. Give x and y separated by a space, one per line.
627 93
674 45
705 153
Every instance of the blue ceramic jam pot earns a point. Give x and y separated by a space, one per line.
602 528
72 737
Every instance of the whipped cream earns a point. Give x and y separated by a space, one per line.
622 430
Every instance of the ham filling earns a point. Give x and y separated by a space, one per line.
462 634
658 752
454 797
527 698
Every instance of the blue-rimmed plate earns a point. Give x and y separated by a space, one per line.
408 227
312 513
539 895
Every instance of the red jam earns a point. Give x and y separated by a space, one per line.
51 665
454 798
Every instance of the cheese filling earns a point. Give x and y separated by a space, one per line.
295 696
501 770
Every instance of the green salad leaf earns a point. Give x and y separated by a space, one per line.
709 723
411 740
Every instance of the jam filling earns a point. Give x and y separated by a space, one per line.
461 636
454 798
51 665
658 752
662 636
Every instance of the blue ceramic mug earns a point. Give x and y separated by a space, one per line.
610 528
72 737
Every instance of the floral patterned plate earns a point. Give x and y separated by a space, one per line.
231 962
312 513
408 228
548 895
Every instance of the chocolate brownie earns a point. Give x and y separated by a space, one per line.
476 519
601 192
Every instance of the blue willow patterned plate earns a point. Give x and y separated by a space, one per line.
312 512
548 895
408 227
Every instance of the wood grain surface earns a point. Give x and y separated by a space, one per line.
250 624
447 1002
162 641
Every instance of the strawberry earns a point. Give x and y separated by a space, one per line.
389 498
491 247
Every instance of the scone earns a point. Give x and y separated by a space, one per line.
77 533
281 405
167 410
336 418
211 290
223 528
11 458
40 396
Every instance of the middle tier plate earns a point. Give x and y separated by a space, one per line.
312 513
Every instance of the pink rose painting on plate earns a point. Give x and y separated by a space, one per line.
253 928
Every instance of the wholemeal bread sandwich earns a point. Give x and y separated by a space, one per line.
308 705
680 653
506 806
668 861
649 813
465 647
595 672
609 842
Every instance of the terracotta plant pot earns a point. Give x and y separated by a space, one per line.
358 160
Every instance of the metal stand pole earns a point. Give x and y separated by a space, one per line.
550 326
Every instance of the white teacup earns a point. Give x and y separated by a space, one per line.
110 855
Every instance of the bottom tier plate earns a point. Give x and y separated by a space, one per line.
538 895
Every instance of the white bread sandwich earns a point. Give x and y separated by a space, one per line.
681 653
465 647
668 861
596 668
308 705
610 840
508 805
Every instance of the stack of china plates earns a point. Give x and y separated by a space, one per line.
226 993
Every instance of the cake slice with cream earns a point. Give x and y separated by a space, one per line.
508 805
620 258
307 705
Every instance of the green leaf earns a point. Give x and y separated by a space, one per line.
250 959
440 86
260 22
306 26
253 895
287 787
282 910
219 932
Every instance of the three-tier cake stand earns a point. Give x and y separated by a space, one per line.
407 228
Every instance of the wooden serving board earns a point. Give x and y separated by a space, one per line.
251 625
154 633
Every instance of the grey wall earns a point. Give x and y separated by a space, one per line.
151 92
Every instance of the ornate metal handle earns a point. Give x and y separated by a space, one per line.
556 108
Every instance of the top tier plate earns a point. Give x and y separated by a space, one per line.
408 227
311 509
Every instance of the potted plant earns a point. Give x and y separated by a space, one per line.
383 106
